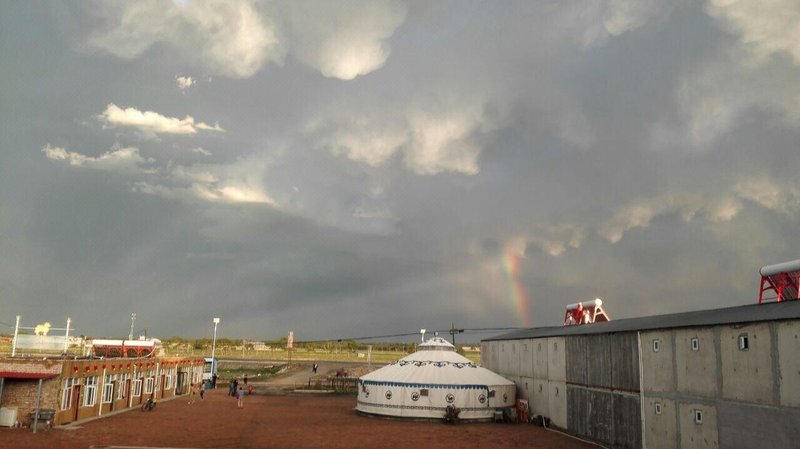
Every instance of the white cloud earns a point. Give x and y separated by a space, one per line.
365 139
241 181
765 27
554 240
763 191
442 137
119 160
620 16
235 38
783 197
201 150
597 21
238 182
237 193
151 123
757 72
229 37
343 39
724 210
433 136
184 82
641 213
724 89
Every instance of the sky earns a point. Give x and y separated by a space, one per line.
347 169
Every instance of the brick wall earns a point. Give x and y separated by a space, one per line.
21 394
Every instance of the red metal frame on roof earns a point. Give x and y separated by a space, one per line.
585 313
783 279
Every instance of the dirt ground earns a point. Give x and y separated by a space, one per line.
277 420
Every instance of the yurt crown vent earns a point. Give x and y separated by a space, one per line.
437 344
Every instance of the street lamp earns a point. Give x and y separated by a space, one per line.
133 318
214 348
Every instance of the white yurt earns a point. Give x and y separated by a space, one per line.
424 383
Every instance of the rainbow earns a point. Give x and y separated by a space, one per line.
511 263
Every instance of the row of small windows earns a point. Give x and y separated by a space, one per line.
125 386
694 343
697 414
525 347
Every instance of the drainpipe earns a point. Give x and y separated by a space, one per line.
38 404
157 381
16 332
66 336
100 393
130 386
641 388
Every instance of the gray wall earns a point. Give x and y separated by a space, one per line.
710 394
747 396
603 388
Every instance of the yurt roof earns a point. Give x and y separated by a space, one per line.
436 363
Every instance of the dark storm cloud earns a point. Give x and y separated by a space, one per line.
366 169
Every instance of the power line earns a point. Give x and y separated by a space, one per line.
409 334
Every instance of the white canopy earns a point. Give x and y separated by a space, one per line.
425 382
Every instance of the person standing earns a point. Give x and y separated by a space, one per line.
214 380
240 398
202 389
245 379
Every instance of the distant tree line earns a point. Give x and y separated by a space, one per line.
329 345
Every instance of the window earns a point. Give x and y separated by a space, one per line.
90 392
136 388
66 393
108 392
423 392
108 388
656 345
122 391
744 342
695 344
148 385
658 408
168 380
698 417
491 393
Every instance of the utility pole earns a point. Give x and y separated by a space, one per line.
133 318
453 332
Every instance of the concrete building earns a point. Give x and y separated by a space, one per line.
77 389
724 378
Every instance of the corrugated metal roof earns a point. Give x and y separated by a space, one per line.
751 313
